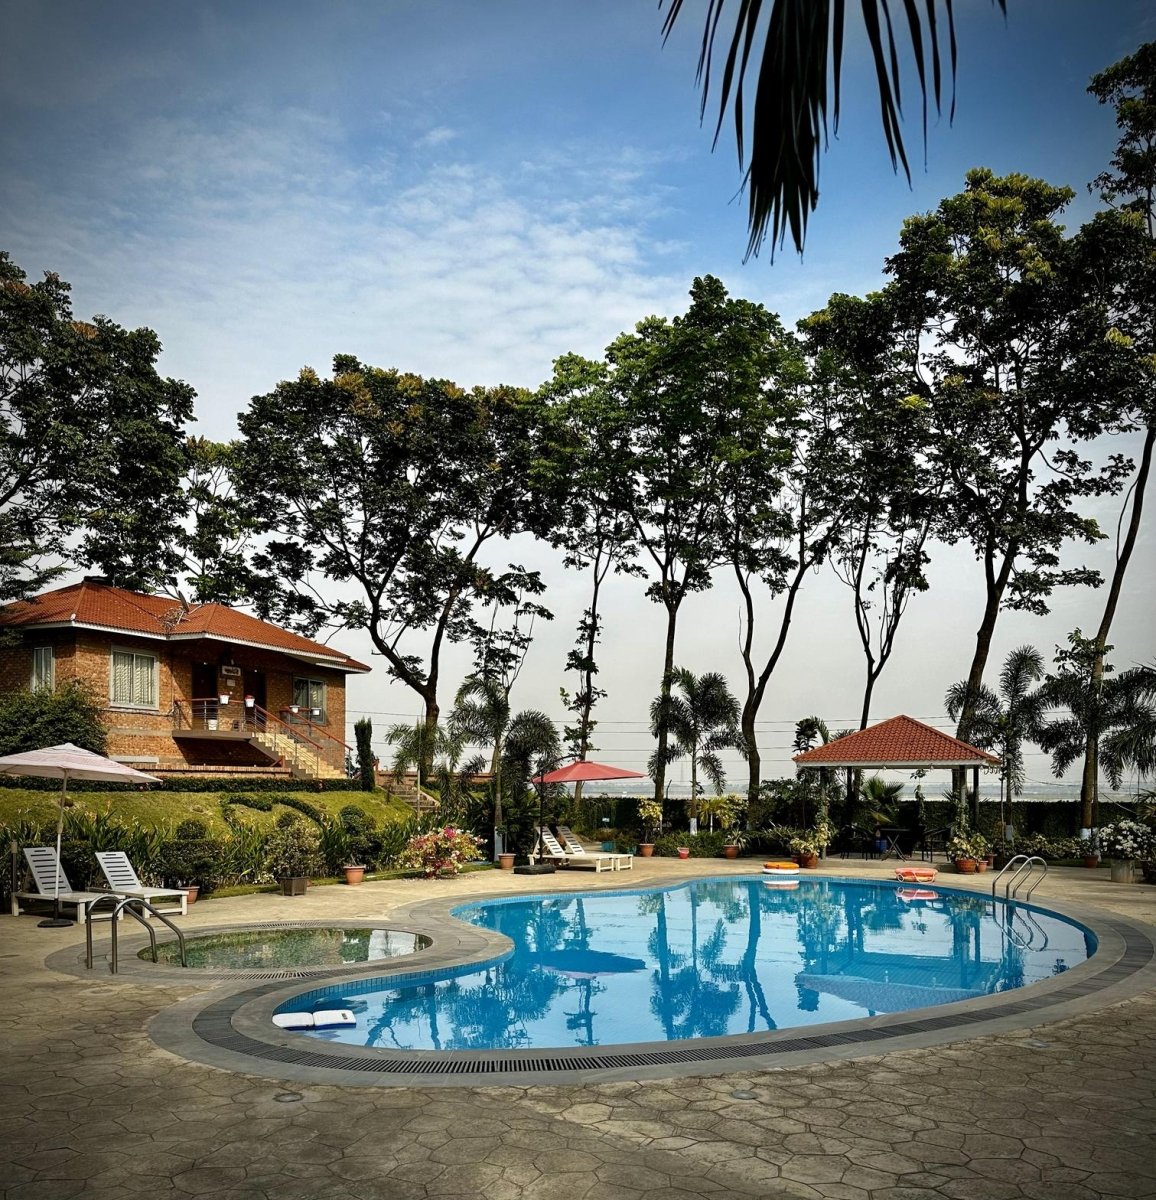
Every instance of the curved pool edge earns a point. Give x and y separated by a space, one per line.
235 1031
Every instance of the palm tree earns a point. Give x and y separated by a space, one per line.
531 747
700 723
481 716
1003 722
441 747
801 45
1111 720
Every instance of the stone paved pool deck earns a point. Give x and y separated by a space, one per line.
91 1106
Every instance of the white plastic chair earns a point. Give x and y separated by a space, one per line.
123 879
48 874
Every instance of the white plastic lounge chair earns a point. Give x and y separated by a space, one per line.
46 872
619 862
123 879
600 862
550 849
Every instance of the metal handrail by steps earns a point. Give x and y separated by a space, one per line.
129 904
1025 865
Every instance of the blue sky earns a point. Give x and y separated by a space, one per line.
469 190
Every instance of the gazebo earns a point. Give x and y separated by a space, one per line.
903 744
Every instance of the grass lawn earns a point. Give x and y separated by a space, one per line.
169 808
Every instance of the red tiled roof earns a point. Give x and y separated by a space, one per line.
93 605
899 742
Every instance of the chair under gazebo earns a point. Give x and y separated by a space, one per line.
900 744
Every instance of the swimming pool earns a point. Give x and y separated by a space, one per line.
708 958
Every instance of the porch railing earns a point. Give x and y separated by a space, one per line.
210 715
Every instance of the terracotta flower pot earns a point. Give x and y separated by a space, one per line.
1091 860
354 875
731 851
808 861
505 862
645 849
965 866
980 865
193 892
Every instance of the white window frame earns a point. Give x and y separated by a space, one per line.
312 687
137 657
43 680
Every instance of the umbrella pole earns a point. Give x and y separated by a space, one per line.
56 920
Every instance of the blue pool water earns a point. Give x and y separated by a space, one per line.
705 959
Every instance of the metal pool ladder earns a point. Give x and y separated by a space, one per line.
1025 865
131 905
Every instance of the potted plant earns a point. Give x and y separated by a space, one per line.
1089 850
292 854
354 873
505 860
805 847
650 815
967 850
1124 842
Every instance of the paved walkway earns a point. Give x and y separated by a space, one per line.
91 1107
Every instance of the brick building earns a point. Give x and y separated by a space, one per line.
187 688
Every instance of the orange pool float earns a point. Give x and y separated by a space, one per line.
780 867
916 874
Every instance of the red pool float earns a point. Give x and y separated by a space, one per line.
916 874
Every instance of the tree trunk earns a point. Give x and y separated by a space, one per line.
865 712
1089 790
432 715
664 700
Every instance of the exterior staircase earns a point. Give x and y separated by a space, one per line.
406 789
302 760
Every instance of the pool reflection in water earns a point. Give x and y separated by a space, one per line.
706 959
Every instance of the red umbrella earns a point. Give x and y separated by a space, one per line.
586 772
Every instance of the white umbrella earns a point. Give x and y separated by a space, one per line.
67 762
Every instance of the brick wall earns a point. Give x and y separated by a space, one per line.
139 733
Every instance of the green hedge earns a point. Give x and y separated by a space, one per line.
181 784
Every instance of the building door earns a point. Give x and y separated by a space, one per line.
204 697
253 683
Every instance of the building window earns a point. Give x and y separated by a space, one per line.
43 669
309 697
134 679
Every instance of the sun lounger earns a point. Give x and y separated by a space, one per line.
46 873
573 847
123 879
548 849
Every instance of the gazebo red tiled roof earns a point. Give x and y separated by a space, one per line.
92 604
900 742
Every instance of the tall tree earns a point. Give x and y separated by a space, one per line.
798 52
783 503
1115 714
217 532
92 447
893 485
701 722
376 493
1123 256
1003 721
689 399
1015 353
580 470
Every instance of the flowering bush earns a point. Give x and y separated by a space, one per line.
1126 839
440 853
650 814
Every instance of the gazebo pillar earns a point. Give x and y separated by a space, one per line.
975 797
